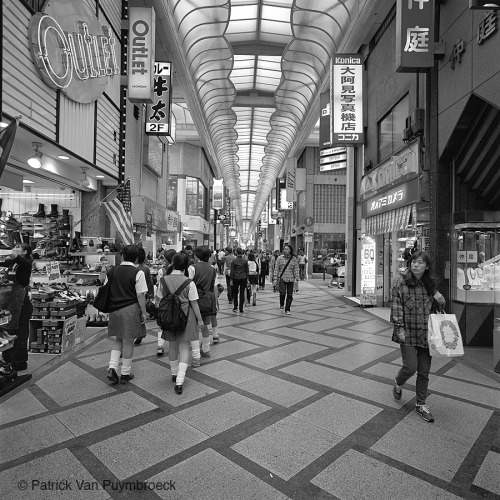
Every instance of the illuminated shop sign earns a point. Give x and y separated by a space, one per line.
347 98
158 114
72 52
141 54
414 35
218 191
396 197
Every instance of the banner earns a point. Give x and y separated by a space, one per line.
141 54
7 136
347 98
218 194
291 166
159 113
414 35
325 122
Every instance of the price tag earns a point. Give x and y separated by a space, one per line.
53 271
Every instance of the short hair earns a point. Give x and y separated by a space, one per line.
203 253
188 247
180 261
169 255
130 253
239 251
251 256
229 250
141 257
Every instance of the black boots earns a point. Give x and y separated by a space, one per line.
65 216
53 212
41 211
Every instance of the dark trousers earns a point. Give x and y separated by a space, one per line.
262 280
229 288
415 359
239 287
286 289
302 272
18 354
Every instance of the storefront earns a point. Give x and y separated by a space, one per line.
395 223
196 231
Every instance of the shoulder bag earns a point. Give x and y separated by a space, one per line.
101 301
281 283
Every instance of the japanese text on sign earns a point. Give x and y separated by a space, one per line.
347 90
158 113
487 27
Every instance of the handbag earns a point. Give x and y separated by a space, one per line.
281 283
101 301
443 336
331 269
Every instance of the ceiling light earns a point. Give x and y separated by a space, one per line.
484 5
64 157
27 181
84 182
36 160
3 124
99 176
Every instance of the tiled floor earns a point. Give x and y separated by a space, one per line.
296 407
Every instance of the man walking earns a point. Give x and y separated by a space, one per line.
239 278
227 260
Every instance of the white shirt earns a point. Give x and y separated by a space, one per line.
140 280
192 291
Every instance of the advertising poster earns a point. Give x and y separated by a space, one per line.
368 283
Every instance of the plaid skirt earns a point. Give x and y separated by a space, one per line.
126 323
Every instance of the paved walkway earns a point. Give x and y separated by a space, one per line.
295 407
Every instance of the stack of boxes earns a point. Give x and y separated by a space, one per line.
48 321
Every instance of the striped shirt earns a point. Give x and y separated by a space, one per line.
411 306
291 272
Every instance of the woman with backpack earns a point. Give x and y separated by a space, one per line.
179 341
253 276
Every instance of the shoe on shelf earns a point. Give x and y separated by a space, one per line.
178 389
126 378
424 412
204 354
113 376
160 351
397 392
195 362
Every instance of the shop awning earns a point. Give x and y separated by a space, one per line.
393 220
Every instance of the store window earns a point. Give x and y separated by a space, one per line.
172 193
195 197
390 129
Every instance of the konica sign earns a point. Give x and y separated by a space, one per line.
72 52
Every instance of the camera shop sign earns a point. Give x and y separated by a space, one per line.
71 51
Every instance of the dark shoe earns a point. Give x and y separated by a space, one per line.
204 354
241 311
397 392
178 389
424 412
138 340
160 351
20 366
216 340
174 378
126 378
234 310
113 376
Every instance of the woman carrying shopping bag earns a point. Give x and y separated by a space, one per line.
414 296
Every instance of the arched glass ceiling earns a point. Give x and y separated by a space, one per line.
257 66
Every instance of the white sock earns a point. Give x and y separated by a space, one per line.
161 342
206 344
181 373
195 348
215 331
174 367
114 359
126 366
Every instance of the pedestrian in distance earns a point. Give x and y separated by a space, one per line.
414 297
286 277
179 342
227 260
127 312
302 260
264 270
253 276
272 263
239 279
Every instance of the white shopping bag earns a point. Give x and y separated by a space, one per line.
443 336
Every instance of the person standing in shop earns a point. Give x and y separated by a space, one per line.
286 277
414 296
179 342
228 259
239 278
19 306
127 312
149 281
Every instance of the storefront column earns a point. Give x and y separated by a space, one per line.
93 215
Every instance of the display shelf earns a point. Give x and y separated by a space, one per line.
82 254
8 346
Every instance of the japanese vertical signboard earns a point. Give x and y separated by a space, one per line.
158 113
291 165
368 284
141 54
347 98
325 131
218 194
414 35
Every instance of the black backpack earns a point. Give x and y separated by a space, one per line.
170 316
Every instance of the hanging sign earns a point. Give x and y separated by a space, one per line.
141 54
291 193
414 35
158 113
325 122
347 98
217 194
71 51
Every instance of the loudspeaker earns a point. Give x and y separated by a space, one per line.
417 121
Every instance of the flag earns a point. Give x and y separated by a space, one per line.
7 136
119 212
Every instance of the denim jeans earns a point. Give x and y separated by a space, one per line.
288 292
415 359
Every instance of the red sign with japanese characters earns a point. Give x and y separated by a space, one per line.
414 35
